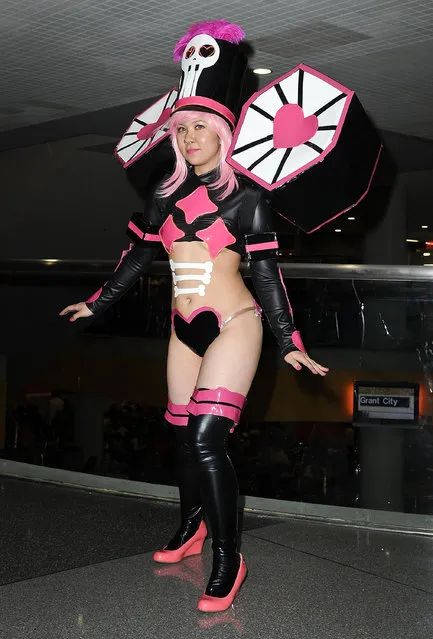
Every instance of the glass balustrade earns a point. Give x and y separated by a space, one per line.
360 437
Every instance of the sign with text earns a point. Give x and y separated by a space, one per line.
385 403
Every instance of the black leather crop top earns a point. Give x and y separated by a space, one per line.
241 222
194 213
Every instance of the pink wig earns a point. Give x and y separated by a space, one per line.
218 29
226 175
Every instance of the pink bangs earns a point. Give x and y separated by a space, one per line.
226 176
218 29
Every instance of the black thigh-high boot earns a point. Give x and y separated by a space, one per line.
219 490
191 512
190 536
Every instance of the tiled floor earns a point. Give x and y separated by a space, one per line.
79 565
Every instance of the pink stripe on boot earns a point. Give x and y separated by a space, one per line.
220 410
176 414
217 401
217 395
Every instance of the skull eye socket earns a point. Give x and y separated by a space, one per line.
189 52
206 51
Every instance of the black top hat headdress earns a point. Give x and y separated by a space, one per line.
213 67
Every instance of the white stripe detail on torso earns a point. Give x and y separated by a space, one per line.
205 277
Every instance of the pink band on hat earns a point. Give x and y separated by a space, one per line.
213 105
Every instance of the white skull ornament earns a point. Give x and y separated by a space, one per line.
201 53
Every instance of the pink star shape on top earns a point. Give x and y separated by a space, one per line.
217 236
196 203
169 233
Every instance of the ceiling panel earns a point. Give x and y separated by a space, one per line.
61 57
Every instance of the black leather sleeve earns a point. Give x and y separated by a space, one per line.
135 261
262 251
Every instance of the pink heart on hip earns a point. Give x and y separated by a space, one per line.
292 128
148 130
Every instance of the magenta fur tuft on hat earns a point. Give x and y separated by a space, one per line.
218 29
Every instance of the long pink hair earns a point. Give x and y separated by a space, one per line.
225 176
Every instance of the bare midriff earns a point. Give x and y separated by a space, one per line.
226 292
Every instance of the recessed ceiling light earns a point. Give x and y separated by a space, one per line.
412 240
428 264
351 218
424 226
262 71
338 230
426 254
49 262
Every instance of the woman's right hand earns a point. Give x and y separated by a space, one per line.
80 310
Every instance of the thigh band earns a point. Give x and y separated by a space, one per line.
176 414
217 401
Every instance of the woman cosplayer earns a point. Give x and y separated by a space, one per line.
207 219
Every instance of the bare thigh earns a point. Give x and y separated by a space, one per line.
231 360
183 367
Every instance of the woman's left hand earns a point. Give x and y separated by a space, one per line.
296 358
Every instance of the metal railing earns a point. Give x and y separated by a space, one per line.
15 268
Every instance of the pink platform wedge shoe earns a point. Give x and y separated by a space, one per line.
218 604
191 547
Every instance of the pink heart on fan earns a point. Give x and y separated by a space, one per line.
292 128
148 130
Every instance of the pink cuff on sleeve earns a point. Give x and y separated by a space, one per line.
297 340
261 246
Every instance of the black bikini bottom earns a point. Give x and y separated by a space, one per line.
202 327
